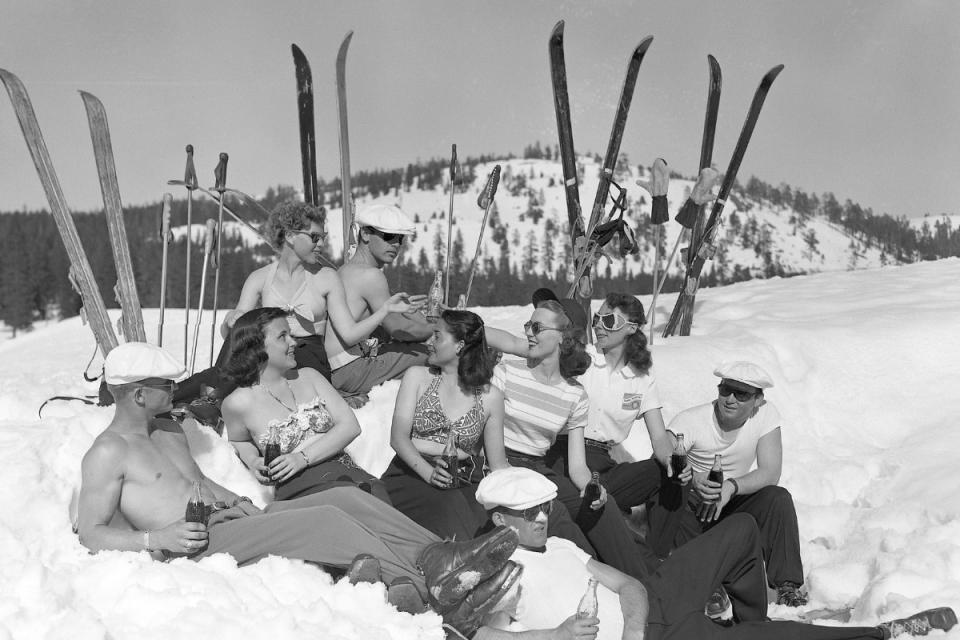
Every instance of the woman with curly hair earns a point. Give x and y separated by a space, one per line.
543 402
451 397
312 422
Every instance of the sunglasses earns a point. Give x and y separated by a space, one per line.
741 395
169 387
536 327
611 321
315 236
389 238
530 514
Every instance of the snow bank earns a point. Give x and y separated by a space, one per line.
867 371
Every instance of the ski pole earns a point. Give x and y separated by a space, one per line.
453 175
658 286
485 201
165 239
190 182
220 173
207 251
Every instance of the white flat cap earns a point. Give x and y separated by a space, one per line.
745 372
385 217
136 361
515 488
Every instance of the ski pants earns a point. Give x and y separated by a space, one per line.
330 528
605 528
729 555
393 358
673 523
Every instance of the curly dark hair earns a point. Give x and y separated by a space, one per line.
574 359
291 215
475 368
246 353
635 348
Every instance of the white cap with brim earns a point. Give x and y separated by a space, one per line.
135 361
744 372
515 488
385 217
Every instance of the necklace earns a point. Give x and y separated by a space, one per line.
282 403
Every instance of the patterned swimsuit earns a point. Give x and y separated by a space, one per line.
431 423
310 418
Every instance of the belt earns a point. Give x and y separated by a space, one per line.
597 444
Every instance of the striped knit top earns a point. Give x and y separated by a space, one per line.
534 412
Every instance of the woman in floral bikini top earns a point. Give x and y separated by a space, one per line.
453 396
272 398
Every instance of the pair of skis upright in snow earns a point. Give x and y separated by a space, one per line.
308 138
702 243
81 274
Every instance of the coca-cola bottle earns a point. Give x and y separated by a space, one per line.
452 460
590 493
709 507
271 450
435 297
196 509
716 471
678 459
588 607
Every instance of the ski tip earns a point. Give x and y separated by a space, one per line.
297 51
773 73
345 43
643 46
189 149
712 62
557 30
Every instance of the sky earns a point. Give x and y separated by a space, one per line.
865 107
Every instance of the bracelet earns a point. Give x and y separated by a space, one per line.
239 500
305 458
736 487
146 541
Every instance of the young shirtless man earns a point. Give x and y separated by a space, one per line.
138 476
381 230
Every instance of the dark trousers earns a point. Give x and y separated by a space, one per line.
449 513
729 555
631 483
605 528
673 523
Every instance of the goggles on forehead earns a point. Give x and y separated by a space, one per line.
611 321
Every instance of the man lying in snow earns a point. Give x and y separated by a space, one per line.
138 478
668 604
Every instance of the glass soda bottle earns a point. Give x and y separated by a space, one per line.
588 607
678 459
271 451
716 471
435 297
590 493
196 509
451 459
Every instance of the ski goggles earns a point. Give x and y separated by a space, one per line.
741 395
536 327
530 514
389 238
611 321
315 236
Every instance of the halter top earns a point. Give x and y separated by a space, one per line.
309 418
299 306
431 423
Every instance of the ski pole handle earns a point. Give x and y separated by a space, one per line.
220 174
165 218
210 241
190 173
490 189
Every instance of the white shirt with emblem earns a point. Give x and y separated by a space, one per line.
618 398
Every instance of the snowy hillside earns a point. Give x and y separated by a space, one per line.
537 184
866 367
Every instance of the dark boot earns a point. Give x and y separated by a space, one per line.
403 594
482 600
452 569
920 624
364 568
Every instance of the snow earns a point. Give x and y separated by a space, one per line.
867 372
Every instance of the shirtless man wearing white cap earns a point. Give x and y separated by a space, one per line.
380 231
744 428
665 605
